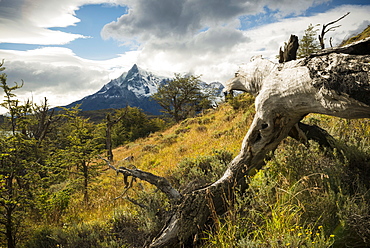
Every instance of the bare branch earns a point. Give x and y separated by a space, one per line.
324 31
333 28
121 195
340 18
160 182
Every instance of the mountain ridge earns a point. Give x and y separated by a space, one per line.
133 88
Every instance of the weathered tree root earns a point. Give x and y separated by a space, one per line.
285 93
283 97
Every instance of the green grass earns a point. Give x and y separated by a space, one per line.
364 34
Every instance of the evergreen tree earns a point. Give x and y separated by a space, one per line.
308 44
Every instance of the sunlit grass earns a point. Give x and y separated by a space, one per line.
305 196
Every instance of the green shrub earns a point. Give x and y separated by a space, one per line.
150 148
192 173
241 101
126 227
302 198
95 235
42 238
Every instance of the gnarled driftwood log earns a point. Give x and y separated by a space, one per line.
333 83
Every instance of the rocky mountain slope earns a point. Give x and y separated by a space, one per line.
132 88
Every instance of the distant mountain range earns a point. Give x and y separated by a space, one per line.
132 88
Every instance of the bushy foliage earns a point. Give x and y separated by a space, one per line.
134 125
193 173
182 97
85 235
241 101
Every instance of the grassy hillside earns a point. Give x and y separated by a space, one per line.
306 196
364 34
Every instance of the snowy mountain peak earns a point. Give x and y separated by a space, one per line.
133 88
133 71
141 82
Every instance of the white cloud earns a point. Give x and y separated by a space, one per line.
28 21
58 74
196 36
37 36
200 36
216 52
179 19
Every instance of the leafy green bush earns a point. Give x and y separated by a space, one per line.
126 227
241 101
192 173
54 205
42 238
84 235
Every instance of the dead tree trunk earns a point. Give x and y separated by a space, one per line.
332 84
160 182
290 50
324 30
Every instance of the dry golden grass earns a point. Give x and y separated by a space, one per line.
160 153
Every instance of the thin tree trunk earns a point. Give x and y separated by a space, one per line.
324 30
109 126
9 211
86 182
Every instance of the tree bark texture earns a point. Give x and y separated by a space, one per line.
290 50
334 84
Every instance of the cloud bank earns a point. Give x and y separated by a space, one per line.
203 37
208 39
29 21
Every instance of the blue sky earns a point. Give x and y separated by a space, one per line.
65 50
92 20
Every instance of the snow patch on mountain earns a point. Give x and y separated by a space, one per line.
133 88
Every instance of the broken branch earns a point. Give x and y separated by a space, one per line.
160 182
324 31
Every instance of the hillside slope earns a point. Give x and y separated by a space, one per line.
364 34
305 195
